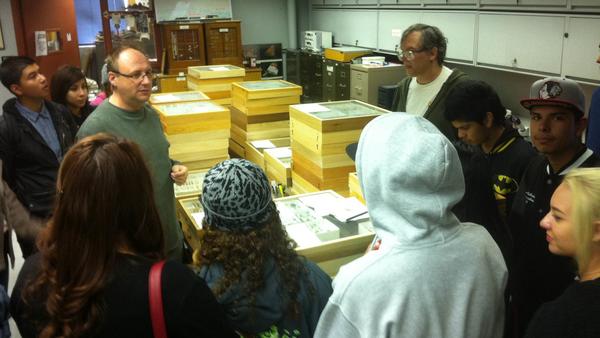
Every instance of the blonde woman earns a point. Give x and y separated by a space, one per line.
573 229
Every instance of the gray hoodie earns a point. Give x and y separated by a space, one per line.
432 276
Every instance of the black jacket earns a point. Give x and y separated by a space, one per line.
29 165
539 275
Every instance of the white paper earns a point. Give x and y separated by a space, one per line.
349 209
198 217
281 152
263 144
313 108
302 235
41 43
165 98
219 69
322 204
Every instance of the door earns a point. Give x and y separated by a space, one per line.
57 19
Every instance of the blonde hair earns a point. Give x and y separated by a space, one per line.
585 210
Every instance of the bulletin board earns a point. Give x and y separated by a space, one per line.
177 10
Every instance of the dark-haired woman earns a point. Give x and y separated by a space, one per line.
90 277
248 260
69 88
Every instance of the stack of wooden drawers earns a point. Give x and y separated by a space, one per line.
255 149
260 111
197 131
215 81
178 97
278 166
319 136
355 189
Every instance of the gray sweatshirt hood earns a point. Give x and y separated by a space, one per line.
411 177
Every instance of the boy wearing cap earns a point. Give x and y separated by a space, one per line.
557 109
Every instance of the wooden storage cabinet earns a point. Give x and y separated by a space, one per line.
223 42
185 46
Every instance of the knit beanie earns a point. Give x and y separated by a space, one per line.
236 196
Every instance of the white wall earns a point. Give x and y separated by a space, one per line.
10 43
263 21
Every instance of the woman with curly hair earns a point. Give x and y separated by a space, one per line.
69 88
573 229
248 260
90 277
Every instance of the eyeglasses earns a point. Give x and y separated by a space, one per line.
137 76
409 54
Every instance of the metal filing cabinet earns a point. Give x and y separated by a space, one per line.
311 76
336 80
366 79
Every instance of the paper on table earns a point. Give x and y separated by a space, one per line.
198 217
302 235
322 204
281 152
263 144
165 98
313 108
218 69
349 209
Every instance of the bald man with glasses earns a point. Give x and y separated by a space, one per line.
127 114
422 51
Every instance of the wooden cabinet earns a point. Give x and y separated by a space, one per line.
521 42
184 44
223 43
581 49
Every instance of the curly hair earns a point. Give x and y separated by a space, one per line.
88 228
246 253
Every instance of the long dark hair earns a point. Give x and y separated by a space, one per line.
248 252
61 82
104 205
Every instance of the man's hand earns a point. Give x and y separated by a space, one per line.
179 174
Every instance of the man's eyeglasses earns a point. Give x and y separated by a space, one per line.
137 76
408 54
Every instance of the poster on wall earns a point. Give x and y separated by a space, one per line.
41 43
1 38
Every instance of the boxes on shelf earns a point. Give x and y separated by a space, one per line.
260 111
278 166
255 149
320 133
172 83
197 131
178 97
215 81
323 239
354 187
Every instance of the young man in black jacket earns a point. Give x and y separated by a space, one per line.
557 109
34 136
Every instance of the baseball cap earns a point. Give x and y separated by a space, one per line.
556 91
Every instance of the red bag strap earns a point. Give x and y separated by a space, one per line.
157 315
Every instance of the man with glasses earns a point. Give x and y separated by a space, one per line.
127 114
422 51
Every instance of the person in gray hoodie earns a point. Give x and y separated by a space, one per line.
430 275
249 262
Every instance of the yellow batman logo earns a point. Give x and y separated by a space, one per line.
504 185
